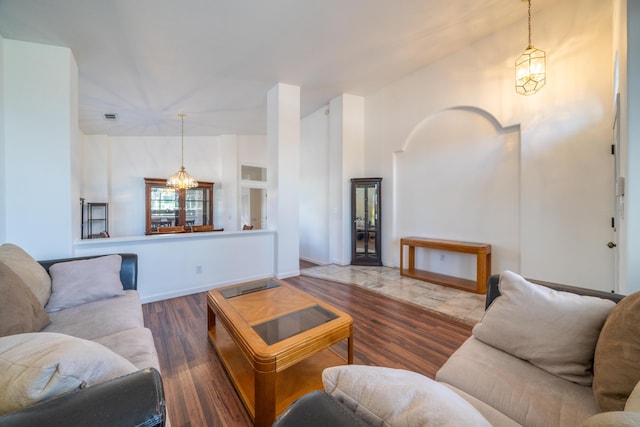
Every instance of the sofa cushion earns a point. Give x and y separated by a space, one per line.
135 345
633 402
495 417
616 367
20 310
28 269
99 318
385 396
517 388
41 365
554 330
79 282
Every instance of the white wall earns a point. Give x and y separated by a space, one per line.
116 167
252 150
180 264
632 124
314 187
468 169
566 176
40 122
3 156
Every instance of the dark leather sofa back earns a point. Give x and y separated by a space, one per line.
493 292
128 271
136 399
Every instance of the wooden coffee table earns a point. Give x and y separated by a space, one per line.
274 341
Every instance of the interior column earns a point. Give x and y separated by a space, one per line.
346 161
283 176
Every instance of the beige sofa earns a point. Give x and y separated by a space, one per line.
68 324
530 360
539 357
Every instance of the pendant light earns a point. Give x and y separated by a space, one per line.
181 180
530 67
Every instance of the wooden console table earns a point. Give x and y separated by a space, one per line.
481 250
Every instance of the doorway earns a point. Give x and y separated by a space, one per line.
253 208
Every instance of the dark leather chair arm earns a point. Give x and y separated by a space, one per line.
128 270
493 292
318 409
136 399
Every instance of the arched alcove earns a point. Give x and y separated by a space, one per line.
458 178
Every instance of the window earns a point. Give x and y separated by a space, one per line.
176 211
253 173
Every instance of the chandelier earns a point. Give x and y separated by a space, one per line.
530 67
181 180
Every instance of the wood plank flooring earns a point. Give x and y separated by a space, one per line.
387 332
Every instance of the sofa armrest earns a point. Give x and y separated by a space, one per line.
493 292
128 269
136 399
318 409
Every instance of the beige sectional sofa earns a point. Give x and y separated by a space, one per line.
543 355
548 357
68 324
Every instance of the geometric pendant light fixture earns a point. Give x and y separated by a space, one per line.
181 180
530 67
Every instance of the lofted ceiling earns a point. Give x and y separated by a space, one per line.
215 60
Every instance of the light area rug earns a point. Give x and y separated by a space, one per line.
460 305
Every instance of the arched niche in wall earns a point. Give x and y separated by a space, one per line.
458 177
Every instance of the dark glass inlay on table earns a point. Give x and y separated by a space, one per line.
291 324
239 290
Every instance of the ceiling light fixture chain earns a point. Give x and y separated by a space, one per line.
182 127
181 180
529 23
531 73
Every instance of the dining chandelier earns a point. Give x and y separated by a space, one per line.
181 180
530 67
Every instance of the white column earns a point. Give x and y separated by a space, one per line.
346 161
42 148
227 189
283 175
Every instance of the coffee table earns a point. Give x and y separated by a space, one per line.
274 341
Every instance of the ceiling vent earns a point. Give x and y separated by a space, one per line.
111 116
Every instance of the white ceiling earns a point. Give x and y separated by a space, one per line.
215 60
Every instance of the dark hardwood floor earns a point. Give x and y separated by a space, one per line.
387 332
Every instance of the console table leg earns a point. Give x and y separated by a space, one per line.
412 258
483 265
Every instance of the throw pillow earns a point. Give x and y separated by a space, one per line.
395 397
41 365
82 281
613 419
20 310
553 330
616 367
28 269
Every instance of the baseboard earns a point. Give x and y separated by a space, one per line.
207 287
